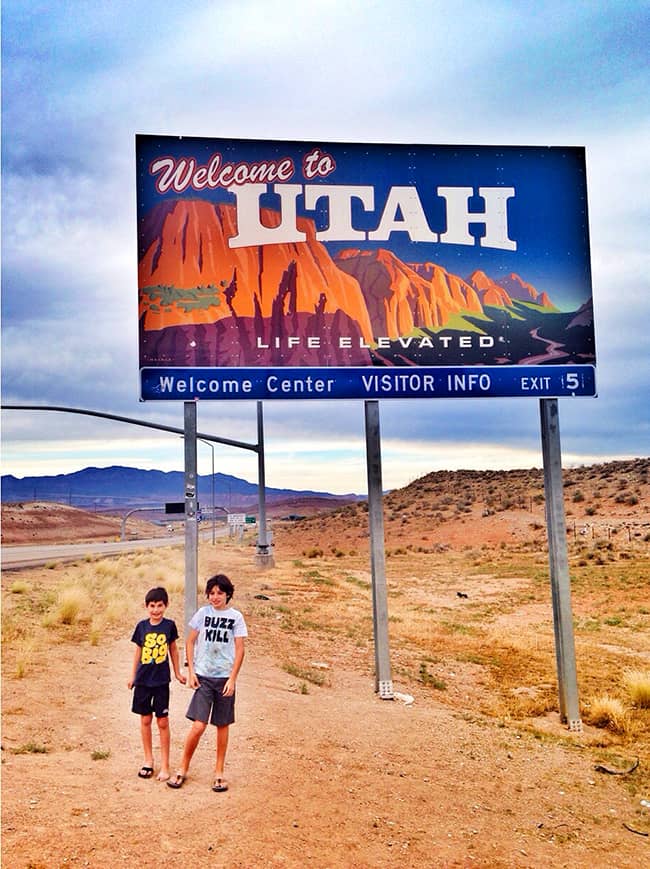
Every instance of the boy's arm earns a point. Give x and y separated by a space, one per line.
173 654
229 687
189 654
134 669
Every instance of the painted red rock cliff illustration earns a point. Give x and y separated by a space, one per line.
204 303
187 247
401 297
488 291
519 289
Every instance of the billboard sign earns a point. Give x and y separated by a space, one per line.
298 270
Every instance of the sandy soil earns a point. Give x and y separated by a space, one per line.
335 777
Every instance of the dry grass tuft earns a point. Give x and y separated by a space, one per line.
608 712
24 658
73 606
85 602
637 684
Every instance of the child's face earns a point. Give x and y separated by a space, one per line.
156 610
217 598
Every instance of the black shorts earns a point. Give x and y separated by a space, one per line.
209 705
148 700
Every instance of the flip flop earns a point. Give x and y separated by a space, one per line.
176 781
145 772
220 785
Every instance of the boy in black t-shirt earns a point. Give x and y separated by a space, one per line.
155 639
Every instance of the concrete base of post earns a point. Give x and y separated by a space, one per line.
264 559
386 689
574 725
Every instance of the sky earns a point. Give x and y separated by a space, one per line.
81 79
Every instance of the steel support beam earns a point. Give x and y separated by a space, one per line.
191 518
141 422
383 679
559 565
264 555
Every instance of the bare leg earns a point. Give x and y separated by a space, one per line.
192 740
145 733
222 747
163 730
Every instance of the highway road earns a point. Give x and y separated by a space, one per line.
17 557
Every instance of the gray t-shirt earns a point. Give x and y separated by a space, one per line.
214 652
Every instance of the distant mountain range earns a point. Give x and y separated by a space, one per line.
122 488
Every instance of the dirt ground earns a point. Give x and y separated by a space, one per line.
332 776
336 778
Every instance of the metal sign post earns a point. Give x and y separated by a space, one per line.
191 520
264 556
383 681
559 565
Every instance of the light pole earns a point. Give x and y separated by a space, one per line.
214 532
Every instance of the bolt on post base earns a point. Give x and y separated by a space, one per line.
574 725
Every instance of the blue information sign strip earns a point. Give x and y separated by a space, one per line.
531 381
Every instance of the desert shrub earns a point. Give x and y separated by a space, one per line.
607 712
307 674
429 679
72 606
106 569
637 683
12 629
24 658
174 583
96 632
31 748
117 609
314 552
100 754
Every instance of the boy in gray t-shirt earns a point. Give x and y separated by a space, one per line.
215 652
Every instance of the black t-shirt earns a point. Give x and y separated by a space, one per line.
154 640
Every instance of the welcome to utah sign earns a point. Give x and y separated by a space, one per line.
272 269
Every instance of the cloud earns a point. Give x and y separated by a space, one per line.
79 80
